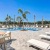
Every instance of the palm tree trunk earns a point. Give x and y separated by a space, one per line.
34 20
9 25
23 25
42 21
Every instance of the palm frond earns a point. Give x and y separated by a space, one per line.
20 11
8 18
24 16
19 19
26 12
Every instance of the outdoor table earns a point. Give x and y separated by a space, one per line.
1 33
2 41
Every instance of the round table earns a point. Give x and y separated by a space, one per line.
1 33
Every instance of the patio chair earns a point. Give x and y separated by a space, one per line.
8 35
48 33
2 42
45 36
39 44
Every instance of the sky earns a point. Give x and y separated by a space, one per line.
39 8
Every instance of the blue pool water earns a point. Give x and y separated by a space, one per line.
19 28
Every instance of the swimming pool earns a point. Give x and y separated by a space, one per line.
19 28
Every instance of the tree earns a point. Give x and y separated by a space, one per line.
23 15
42 21
34 20
8 19
19 19
39 22
14 21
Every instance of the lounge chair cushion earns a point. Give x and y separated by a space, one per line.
44 36
39 44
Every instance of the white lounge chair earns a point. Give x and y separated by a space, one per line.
44 36
8 35
39 44
48 33
41 26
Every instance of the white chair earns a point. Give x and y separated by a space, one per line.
2 41
8 35
41 26
48 33
44 36
39 44
46 26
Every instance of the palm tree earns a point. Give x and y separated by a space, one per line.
8 20
42 21
14 20
23 15
34 20
19 19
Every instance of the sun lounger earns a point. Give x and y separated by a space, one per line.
39 44
8 35
48 33
44 36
